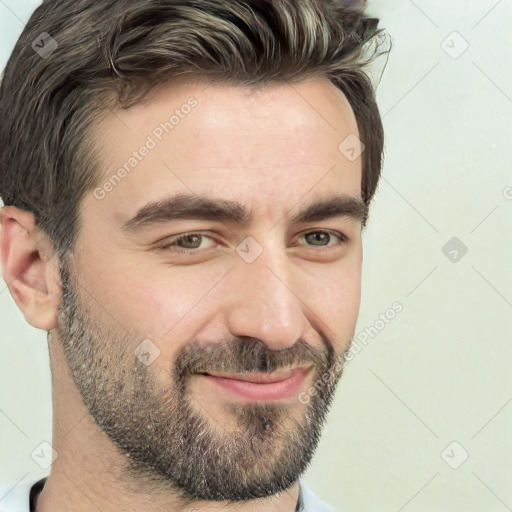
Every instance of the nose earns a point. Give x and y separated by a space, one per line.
265 299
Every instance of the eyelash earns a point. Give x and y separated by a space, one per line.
343 240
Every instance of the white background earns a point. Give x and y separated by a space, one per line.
440 371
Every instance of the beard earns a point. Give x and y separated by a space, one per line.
172 443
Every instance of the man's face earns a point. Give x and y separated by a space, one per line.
143 320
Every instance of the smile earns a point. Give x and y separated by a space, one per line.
259 385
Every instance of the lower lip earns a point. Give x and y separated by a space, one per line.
271 391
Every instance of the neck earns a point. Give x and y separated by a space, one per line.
89 472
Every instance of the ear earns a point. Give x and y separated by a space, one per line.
29 267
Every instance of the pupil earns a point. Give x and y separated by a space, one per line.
190 239
317 235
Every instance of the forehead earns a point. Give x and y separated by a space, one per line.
258 142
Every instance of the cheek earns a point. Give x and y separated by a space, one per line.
337 297
342 298
172 304
154 302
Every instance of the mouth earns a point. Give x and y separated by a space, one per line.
259 385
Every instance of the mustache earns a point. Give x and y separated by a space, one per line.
247 354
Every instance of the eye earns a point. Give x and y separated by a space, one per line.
317 238
186 243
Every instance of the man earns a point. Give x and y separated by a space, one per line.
185 184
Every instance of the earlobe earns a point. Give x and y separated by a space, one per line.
29 267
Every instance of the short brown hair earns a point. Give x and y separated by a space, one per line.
108 54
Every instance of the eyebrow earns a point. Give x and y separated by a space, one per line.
193 206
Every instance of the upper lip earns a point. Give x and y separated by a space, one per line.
261 377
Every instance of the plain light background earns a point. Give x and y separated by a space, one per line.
422 416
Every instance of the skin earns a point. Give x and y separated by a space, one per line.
273 149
